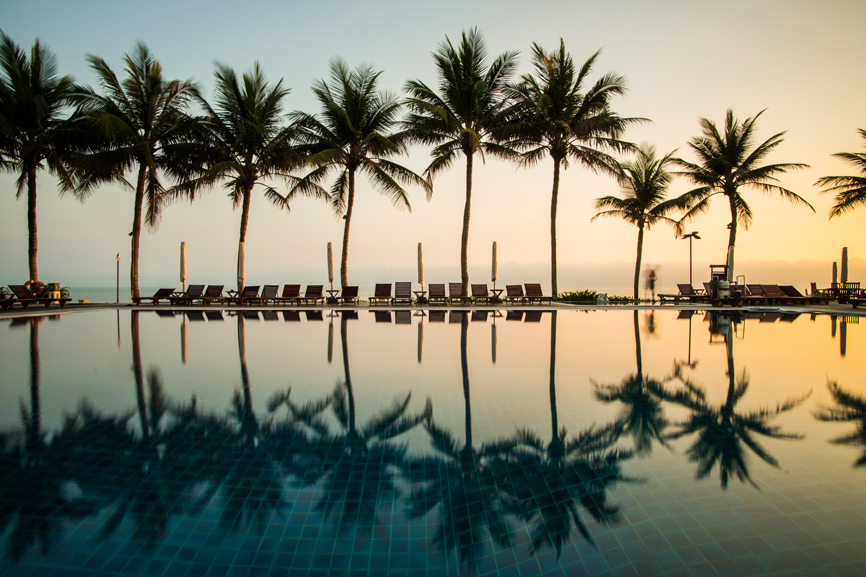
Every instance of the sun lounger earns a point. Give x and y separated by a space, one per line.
686 293
382 294
314 293
777 295
480 293
402 293
247 296
6 300
534 293
791 291
291 294
456 293
437 293
514 292
193 291
23 295
269 293
349 294
214 293
160 295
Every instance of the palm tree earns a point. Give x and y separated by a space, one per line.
850 190
557 115
728 162
644 185
245 141
850 407
353 134
142 122
32 133
459 118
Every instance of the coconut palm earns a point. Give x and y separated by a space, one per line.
142 121
850 190
728 162
354 134
722 431
246 141
644 203
459 118
850 407
33 135
559 115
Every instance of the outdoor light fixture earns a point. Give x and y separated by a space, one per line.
690 236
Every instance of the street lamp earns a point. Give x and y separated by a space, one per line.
690 236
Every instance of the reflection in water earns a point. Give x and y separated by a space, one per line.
548 482
850 407
461 480
642 415
722 431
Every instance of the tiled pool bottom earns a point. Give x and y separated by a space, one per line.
356 479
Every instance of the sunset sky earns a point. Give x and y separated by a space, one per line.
800 60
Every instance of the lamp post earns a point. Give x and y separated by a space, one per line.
118 278
690 236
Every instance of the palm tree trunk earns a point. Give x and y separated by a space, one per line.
554 198
136 230
344 259
464 367
464 241
245 215
554 419
732 237
637 262
31 221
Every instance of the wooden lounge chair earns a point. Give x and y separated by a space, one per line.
314 293
686 292
214 293
6 300
534 294
791 291
402 293
160 295
349 294
269 293
514 292
193 291
777 295
247 296
480 293
382 294
291 294
21 294
437 293
456 293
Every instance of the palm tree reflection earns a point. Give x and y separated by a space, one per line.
850 407
548 483
642 416
724 433
462 481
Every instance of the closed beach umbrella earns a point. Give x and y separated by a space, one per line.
844 272
183 266
835 276
493 275
330 266
420 275
241 269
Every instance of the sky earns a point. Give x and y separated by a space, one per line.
799 61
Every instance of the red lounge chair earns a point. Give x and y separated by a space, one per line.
193 291
160 295
534 294
402 293
382 294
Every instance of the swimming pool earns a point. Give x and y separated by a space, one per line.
432 442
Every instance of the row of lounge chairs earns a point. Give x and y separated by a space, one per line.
21 295
291 294
753 294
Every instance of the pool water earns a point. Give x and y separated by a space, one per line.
432 442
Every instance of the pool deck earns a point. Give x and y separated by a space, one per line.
829 309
